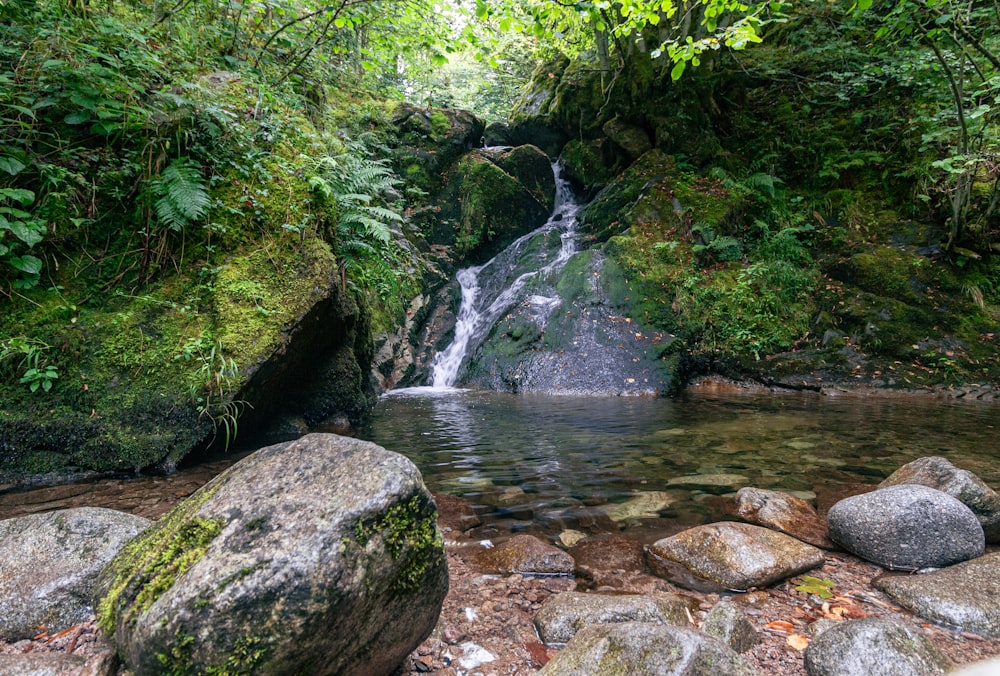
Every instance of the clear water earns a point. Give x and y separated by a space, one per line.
656 466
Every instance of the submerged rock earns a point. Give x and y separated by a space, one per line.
525 554
733 555
563 615
960 484
966 595
606 552
320 555
710 483
906 527
643 505
646 649
873 646
785 513
48 563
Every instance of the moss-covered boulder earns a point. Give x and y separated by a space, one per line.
329 563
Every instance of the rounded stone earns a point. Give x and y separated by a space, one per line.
525 555
563 615
907 527
873 646
48 564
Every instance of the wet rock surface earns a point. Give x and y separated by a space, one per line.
642 648
966 595
49 562
726 622
786 513
322 551
734 555
960 484
563 615
876 647
906 527
525 554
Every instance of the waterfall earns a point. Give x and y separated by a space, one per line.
491 289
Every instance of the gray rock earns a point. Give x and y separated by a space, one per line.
563 615
42 664
785 513
873 646
734 555
641 649
966 595
317 556
906 527
727 623
48 563
526 555
960 484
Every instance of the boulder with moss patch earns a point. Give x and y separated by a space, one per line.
316 556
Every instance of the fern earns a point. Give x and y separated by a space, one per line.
181 194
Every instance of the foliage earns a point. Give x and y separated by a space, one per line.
28 354
814 585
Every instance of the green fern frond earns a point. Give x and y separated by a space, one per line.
182 196
762 183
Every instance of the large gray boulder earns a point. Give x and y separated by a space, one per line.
906 527
48 563
873 646
961 484
966 595
733 555
785 513
646 649
317 556
563 615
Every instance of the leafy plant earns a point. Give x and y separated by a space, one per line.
20 230
28 355
181 194
814 585
215 379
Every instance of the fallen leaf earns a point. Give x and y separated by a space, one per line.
797 642
779 625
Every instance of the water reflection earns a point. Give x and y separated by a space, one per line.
531 462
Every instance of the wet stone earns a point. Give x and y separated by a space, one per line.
607 552
524 554
455 513
960 484
730 625
563 615
906 527
733 556
966 595
874 647
711 483
785 513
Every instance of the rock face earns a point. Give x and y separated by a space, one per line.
734 555
48 563
785 513
645 649
906 527
960 484
318 556
525 554
875 647
565 614
966 595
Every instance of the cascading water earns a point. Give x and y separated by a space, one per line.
491 289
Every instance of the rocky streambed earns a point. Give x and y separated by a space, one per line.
771 591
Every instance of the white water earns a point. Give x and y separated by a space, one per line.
480 308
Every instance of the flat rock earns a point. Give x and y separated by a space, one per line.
646 649
711 483
524 554
563 615
966 595
873 646
785 513
48 563
906 527
606 552
734 555
318 556
643 505
730 625
963 485
43 664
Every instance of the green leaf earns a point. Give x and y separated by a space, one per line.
27 264
77 118
678 70
11 165
31 233
23 196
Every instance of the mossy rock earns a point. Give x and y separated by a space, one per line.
590 164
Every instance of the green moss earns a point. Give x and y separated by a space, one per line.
409 533
148 566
